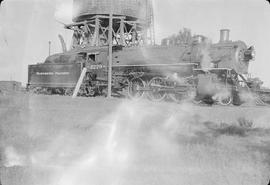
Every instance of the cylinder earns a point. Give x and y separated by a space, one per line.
224 35
132 9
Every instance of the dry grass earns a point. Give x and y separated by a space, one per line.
58 141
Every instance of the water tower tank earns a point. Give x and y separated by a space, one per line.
133 9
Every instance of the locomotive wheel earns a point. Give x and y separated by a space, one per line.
225 100
196 101
46 91
134 88
189 95
90 92
155 85
176 97
68 92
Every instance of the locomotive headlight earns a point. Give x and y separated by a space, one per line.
253 54
175 76
250 54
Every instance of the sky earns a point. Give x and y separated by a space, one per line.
26 27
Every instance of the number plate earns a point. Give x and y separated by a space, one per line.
95 67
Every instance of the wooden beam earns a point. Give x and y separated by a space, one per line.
110 35
79 83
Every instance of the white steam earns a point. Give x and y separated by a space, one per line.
206 59
64 12
13 158
248 98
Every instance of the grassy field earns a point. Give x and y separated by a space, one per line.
56 140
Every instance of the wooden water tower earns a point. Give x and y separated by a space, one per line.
133 21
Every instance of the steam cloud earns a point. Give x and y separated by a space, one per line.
13 158
64 11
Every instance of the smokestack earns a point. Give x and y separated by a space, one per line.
224 35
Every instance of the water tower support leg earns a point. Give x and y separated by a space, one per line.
95 40
122 32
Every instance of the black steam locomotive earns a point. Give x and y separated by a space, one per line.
199 71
